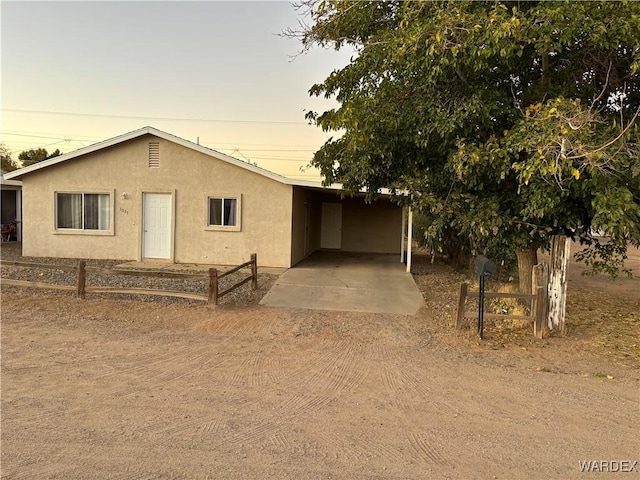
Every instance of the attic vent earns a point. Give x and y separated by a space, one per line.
154 155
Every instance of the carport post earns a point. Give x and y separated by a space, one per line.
409 240
404 224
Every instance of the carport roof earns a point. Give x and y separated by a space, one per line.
11 183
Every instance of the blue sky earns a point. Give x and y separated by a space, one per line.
217 71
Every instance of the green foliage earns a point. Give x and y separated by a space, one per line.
29 157
504 121
8 164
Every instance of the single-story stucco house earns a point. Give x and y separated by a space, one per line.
151 196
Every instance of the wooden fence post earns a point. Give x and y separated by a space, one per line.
213 287
539 286
461 302
254 271
560 248
82 278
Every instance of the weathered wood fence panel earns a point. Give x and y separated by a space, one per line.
215 295
81 288
537 299
28 283
43 266
39 266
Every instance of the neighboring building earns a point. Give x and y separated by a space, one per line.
11 205
151 196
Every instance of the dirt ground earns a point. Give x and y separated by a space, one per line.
123 389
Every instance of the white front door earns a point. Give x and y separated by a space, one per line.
331 227
156 238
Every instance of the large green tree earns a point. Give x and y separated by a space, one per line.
35 155
506 122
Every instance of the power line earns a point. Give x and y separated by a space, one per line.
134 117
78 143
57 137
87 138
257 155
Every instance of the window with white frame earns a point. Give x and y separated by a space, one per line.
83 211
223 212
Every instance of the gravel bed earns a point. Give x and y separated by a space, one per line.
243 295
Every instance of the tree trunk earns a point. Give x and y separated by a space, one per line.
545 69
456 249
560 249
527 258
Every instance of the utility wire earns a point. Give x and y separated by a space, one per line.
211 120
89 138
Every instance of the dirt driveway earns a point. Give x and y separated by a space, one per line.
121 389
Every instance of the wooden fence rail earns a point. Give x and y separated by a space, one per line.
538 302
215 294
82 288
40 266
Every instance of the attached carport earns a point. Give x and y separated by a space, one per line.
323 220
361 282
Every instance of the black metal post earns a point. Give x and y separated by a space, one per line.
481 306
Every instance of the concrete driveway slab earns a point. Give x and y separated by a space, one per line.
347 282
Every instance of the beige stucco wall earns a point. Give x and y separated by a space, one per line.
300 225
190 176
374 227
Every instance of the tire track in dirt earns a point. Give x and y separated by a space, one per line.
395 387
250 323
377 352
298 404
281 441
191 426
264 432
329 372
400 381
175 371
365 448
256 360
315 387
196 424
43 471
54 410
172 368
139 475
332 374
145 383
259 432
257 370
425 450
212 427
140 365
361 449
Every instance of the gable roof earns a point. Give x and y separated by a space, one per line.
171 138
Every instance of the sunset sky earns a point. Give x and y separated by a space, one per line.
74 73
